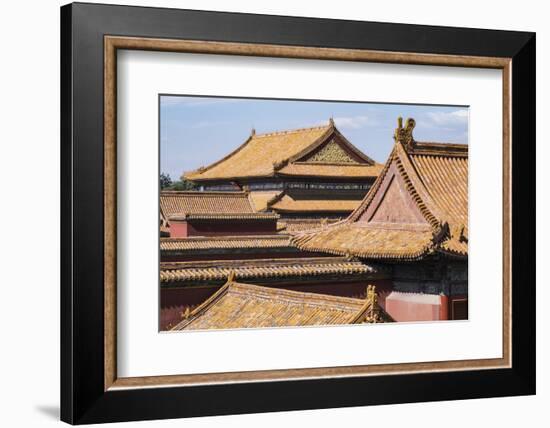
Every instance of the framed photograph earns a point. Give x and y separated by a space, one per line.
265 213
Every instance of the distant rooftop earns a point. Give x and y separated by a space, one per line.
238 305
320 151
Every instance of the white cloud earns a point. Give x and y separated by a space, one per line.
354 122
457 117
209 123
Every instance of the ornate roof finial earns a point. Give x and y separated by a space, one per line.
252 132
404 135
371 295
331 121
373 314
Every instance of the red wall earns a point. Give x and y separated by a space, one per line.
178 229
417 307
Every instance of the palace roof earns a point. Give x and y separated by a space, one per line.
260 198
225 216
300 225
307 169
287 202
417 206
318 267
207 205
190 244
319 152
238 305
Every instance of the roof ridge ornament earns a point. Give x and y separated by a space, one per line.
373 314
331 121
277 165
405 135
371 294
457 232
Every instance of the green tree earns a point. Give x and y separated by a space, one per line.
183 185
165 180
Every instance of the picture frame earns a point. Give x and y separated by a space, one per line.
91 391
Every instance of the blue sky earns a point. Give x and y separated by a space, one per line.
196 131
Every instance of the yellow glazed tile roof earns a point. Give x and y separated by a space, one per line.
368 242
260 155
225 216
260 199
300 225
294 152
223 242
238 305
288 204
174 203
304 169
261 268
435 177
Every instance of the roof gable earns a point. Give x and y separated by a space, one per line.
417 205
393 204
331 152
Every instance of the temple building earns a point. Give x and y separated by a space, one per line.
261 236
303 175
186 285
239 305
414 221
188 213
227 247
207 235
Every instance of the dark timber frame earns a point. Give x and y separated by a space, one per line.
87 395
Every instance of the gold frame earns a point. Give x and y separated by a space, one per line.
113 43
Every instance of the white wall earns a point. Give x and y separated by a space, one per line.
29 165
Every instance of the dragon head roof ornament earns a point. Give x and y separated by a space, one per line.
405 135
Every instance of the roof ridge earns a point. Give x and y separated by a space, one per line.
336 259
223 215
321 163
277 236
282 292
203 306
203 193
441 143
189 174
433 148
290 131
